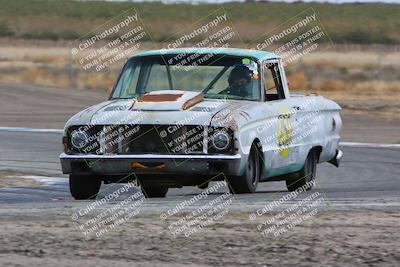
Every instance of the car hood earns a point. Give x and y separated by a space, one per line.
164 108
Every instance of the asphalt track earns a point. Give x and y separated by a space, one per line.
369 176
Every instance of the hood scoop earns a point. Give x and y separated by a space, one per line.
168 100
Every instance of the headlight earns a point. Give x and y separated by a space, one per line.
79 139
221 140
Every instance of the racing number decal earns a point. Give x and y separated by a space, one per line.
284 132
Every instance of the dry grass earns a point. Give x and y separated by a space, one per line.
97 81
351 59
360 87
298 82
321 72
47 59
376 86
38 76
330 85
12 50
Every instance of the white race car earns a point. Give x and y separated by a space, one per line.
189 116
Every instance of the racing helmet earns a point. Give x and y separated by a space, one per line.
239 72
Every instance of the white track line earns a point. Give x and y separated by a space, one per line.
30 130
375 145
348 144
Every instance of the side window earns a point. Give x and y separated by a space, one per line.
273 82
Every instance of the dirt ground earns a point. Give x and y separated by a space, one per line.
337 238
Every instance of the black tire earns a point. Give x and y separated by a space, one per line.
247 183
84 186
203 185
305 176
154 191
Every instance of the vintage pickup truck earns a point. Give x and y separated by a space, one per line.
188 116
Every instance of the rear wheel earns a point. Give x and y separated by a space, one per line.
306 176
84 186
154 191
247 183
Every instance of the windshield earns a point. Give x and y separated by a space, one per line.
215 76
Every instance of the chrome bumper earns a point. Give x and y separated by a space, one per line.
337 158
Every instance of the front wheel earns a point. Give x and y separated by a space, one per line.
306 176
84 186
247 183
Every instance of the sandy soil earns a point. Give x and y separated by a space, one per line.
337 238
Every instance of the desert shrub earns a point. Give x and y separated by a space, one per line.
46 59
51 35
298 82
363 37
4 30
37 76
40 76
330 85
97 81
376 86
346 23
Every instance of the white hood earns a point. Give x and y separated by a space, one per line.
157 108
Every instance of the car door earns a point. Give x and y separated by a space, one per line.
284 151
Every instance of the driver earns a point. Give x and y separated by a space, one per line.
239 80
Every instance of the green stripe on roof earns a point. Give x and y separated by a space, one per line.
259 55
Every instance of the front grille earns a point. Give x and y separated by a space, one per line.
141 139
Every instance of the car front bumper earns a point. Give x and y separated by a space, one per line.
337 158
151 164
